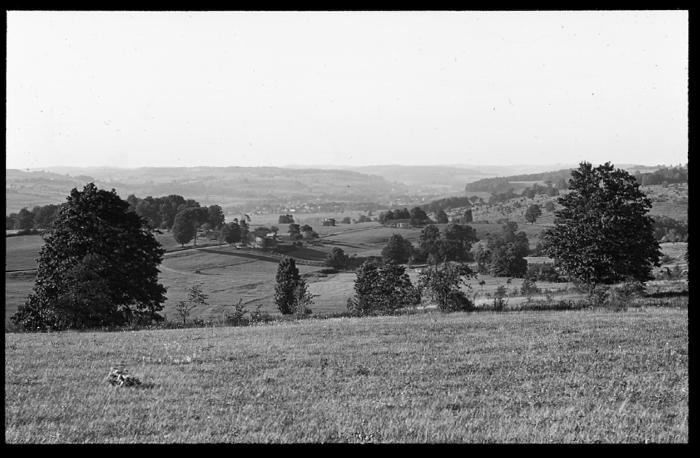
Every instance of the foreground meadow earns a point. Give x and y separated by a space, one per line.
575 376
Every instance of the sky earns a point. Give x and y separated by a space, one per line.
133 89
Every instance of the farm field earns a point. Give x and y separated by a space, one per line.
228 274
21 252
539 377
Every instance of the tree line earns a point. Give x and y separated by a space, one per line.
664 175
557 180
416 216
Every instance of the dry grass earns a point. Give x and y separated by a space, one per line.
583 376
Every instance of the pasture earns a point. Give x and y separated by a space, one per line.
535 377
228 274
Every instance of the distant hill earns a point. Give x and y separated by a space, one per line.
447 179
503 183
226 186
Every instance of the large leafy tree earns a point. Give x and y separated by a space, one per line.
382 289
603 234
98 266
429 243
231 232
418 216
457 242
397 250
186 223
215 216
25 219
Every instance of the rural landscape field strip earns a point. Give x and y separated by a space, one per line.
583 376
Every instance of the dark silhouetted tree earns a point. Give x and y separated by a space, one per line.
185 226
397 250
382 289
429 243
215 216
418 216
337 258
532 213
287 287
25 220
96 250
603 233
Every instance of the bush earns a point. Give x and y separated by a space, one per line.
619 296
337 259
195 297
443 285
256 316
382 289
236 317
528 288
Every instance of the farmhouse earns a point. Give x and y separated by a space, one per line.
261 241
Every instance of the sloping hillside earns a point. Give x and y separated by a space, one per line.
225 186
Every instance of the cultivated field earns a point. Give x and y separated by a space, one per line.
577 376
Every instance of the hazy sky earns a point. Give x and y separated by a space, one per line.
357 88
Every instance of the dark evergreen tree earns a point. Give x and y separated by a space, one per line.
288 284
442 217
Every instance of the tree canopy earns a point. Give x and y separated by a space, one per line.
185 225
532 213
397 250
602 234
98 266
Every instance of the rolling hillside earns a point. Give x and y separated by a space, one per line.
230 187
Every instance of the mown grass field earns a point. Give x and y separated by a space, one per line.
579 376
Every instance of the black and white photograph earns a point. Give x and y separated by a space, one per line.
346 226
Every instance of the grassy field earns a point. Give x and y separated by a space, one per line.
228 274
21 251
578 376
